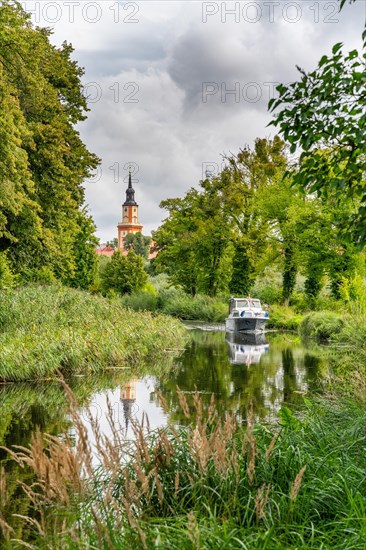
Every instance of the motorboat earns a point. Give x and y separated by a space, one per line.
246 314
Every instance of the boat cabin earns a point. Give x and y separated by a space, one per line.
238 305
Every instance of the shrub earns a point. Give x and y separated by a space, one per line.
124 274
283 317
43 276
200 308
141 301
7 279
268 287
321 325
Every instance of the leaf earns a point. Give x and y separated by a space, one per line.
288 419
337 47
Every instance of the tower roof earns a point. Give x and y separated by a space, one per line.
130 192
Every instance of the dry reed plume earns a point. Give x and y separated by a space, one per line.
80 488
297 484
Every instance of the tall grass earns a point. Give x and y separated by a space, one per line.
347 355
176 303
215 484
322 325
43 329
284 318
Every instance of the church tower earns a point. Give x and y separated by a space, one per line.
130 221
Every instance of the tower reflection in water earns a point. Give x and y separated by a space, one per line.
246 348
128 399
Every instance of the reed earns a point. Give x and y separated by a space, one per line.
50 328
214 484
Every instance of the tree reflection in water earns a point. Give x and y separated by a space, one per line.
240 369
269 371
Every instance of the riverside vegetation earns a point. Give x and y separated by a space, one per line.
214 484
45 329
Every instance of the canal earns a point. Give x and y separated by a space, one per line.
271 370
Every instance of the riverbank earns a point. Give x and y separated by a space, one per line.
45 329
214 484
341 327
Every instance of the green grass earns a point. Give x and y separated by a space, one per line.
217 484
176 303
322 325
43 329
284 318
347 355
216 506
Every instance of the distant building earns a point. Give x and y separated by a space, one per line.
104 250
130 221
129 224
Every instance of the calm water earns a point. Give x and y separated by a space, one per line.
271 370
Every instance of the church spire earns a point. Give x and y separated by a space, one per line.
130 192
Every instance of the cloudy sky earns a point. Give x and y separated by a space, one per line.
174 85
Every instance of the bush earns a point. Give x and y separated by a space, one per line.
321 325
268 295
200 308
7 279
43 276
124 274
283 317
167 299
141 301
268 287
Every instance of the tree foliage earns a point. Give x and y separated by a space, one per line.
324 116
220 237
43 161
193 240
124 274
139 242
215 238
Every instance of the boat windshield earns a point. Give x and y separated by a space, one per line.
242 303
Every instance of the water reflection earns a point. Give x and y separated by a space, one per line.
246 348
238 369
268 369
128 399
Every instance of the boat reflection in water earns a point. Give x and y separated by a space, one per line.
246 348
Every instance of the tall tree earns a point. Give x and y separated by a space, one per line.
84 254
193 242
324 116
256 175
43 161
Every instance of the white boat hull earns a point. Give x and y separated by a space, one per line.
241 324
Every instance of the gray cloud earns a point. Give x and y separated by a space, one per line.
162 62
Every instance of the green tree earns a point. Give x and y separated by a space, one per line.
124 274
139 243
194 241
253 172
324 115
43 161
86 260
113 243
7 278
215 238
